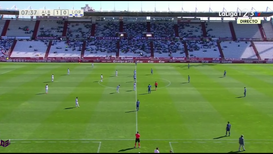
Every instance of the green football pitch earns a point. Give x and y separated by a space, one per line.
178 116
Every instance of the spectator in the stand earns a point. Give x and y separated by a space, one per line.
135 29
107 29
162 29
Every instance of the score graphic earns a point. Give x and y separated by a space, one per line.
75 13
61 12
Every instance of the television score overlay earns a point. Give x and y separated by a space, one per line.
54 12
248 21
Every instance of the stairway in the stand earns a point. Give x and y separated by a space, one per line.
186 49
262 32
12 48
83 49
5 28
255 50
203 24
93 29
121 26
152 48
118 47
176 30
36 28
65 28
148 27
220 50
48 49
233 34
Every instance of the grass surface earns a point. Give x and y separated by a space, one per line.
185 117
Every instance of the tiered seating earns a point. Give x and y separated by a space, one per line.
265 49
50 29
107 29
189 30
20 28
134 48
247 31
168 48
268 29
64 49
135 29
29 49
203 49
5 45
218 29
238 50
101 48
79 30
2 24
162 29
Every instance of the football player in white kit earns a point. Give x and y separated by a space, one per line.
77 102
52 77
101 78
135 86
116 72
68 71
118 88
92 65
46 88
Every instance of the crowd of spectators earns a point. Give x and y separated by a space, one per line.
49 31
79 31
107 29
72 45
135 46
202 46
190 30
167 46
95 46
160 29
5 45
135 29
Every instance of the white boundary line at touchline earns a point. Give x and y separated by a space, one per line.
141 139
136 99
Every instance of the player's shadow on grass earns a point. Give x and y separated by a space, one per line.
144 94
47 82
40 93
184 82
130 111
68 108
240 97
112 76
148 74
129 90
129 81
221 77
234 152
112 93
96 81
220 137
64 75
122 150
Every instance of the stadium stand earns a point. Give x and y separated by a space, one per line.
106 29
133 29
190 30
268 28
100 48
79 30
247 31
20 28
65 49
218 29
51 29
163 29
203 49
265 49
134 48
238 50
30 49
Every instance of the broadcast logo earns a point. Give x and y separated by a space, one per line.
5 143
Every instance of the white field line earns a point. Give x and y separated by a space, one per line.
171 145
98 147
136 99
